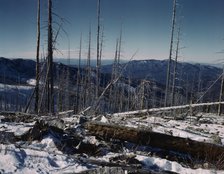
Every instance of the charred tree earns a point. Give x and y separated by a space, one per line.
88 86
67 89
101 44
78 81
221 94
98 63
37 57
175 70
50 80
119 48
170 55
198 150
114 74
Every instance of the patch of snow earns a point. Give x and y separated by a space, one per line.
104 119
158 163
187 128
27 160
17 128
31 82
91 140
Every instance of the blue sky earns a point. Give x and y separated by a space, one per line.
146 28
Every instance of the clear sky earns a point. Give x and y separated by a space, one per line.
146 27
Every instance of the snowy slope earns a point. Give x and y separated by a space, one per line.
44 157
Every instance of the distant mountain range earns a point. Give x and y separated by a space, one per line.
191 80
156 70
13 71
75 62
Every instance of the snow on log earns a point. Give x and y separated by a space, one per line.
198 150
145 111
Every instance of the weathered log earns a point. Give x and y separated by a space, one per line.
17 117
122 170
120 167
198 150
65 140
167 110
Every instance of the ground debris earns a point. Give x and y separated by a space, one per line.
109 146
18 117
199 150
7 137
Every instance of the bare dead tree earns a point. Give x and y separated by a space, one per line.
78 81
119 92
94 108
115 64
170 55
119 47
59 84
175 69
63 90
50 86
88 94
101 44
67 97
37 57
114 73
221 93
98 50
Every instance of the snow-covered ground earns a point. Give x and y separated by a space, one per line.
38 157
202 127
44 157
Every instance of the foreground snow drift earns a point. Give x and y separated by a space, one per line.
37 159
45 156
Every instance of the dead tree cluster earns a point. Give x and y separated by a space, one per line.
57 91
171 75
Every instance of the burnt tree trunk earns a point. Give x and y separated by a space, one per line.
37 58
50 61
166 102
98 64
221 94
198 150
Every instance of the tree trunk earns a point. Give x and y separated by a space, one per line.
50 61
114 74
175 70
37 58
98 63
221 94
78 80
88 86
199 150
170 55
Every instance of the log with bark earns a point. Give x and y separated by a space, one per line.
122 170
121 164
197 150
17 117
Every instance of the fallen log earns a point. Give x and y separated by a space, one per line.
17 117
197 150
119 167
122 170
184 108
